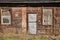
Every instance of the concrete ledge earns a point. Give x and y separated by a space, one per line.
29 1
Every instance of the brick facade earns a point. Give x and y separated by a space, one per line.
19 21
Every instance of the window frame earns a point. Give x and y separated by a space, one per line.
51 15
10 16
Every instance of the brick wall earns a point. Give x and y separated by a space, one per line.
19 21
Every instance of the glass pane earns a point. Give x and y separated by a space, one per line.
5 20
45 20
49 20
5 12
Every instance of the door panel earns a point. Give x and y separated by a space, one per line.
32 23
32 17
32 28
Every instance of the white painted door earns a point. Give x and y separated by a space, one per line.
32 23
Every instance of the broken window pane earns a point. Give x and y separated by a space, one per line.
5 20
47 16
5 16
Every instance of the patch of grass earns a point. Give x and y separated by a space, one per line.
11 37
1 38
28 37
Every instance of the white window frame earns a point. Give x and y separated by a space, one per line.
7 17
47 16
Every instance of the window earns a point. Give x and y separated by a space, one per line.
32 23
5 16
47 16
